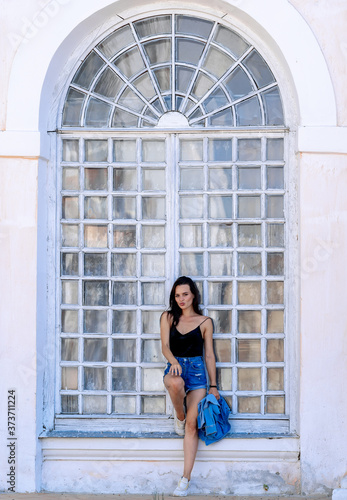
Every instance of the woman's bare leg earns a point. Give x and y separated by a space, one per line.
191 439
175 386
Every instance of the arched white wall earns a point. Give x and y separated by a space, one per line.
34 89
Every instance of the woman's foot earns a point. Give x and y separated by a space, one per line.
182 488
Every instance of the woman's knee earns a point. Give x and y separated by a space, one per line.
191 426
175 384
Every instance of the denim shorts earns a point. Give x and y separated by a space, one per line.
193 372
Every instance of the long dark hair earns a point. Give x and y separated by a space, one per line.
174 308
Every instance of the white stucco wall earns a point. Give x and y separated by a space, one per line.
308 40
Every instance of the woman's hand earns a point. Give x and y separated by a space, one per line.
175 369
214 391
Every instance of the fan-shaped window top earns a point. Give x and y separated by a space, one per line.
173 63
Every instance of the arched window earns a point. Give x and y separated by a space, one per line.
171 152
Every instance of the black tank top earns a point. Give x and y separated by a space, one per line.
186 345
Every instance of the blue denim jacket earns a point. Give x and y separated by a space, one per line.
213 422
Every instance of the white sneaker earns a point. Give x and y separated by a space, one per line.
179 425
182 488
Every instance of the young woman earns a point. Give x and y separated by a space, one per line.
186 336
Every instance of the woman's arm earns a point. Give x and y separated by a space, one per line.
165 325
210 357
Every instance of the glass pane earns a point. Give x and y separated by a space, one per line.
70 207
152 379
124 293
131 100
238 84
217 99
224 379
69 349
153 236
222 349
130 62
248 113
116 42
201 87
190 235
249 405
69 321
69 264
191 264
274 177
153 293
274 404
249 351
69 378
123 379
153 26
151 351
217 62
191 207
124 179
249 321
153 265
153 405
221 264
94 321
249 379
249 149
69 404
275 235
220 178
124 150
123 264
145 86
95 178
153 151
95 293
275 149
70 181
163 77
183 78
153 180
249 292
275 292
94 404
124 322
153 208
95 350
275 322
220 150
221 207
124 207
72 108
221 235
275 207
193 26
96 150
231 41
220 292
69 292
192 178
151 321
249 264
249 207
191 150
275 379
249 235
124 350
94 379
158 51
124 405
188 51
222 119
275 350
95 207
249 178
275 264
273 107
221 320
258 69
124 236
97 113
95 264
70 150
88 69
123 119
109 84
69 235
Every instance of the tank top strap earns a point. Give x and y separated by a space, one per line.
203 321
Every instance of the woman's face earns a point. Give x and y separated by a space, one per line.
184 296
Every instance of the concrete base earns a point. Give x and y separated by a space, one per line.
340 494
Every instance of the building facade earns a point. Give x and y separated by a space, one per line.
146 141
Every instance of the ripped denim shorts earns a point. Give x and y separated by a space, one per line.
193 372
